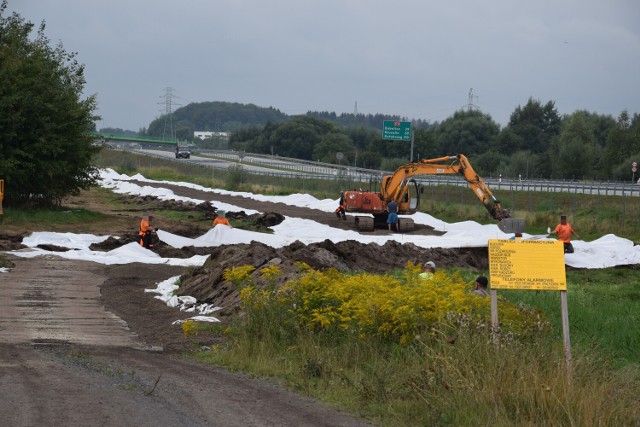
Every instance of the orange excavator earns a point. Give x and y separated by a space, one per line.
402 187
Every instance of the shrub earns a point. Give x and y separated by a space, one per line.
369 306
234 177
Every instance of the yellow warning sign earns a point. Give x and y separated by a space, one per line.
527 264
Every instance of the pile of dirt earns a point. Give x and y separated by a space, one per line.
5 262
112 243
208 285
171 205
11 241
266 219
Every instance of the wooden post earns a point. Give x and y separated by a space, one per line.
565 333
494 315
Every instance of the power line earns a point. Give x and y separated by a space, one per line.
471 106
168 113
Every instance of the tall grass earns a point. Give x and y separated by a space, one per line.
604 305
52 218
446 375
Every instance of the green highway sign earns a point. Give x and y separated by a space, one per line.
396 130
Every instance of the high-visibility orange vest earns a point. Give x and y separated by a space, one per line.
217 221
144 227
564 232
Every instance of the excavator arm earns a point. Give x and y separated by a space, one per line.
395 187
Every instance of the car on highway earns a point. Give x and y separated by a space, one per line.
182 152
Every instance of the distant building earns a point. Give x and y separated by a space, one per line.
211 135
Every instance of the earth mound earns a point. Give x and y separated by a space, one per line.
208 285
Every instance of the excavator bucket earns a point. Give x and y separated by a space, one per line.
511 225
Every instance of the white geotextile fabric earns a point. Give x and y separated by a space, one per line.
607 251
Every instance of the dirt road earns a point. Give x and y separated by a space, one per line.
83 344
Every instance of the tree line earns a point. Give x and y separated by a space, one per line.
537 142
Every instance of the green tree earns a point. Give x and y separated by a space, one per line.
368 159
424 144
578 153
218 116
631 150
261 141
491 163
118 131
467 132
508 142
623 142
331 144
45 145
593 130
249 139
535 125
298 137
362 136
600 124
521 164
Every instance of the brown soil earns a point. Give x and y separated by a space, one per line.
83 344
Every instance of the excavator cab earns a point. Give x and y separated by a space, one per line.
410 198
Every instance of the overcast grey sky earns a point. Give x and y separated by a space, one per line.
413 58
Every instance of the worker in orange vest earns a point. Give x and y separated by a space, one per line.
564 232
340 211
221 219
145 231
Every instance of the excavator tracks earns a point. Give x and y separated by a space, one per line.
364 223
406 224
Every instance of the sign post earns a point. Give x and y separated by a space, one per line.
395 130
530 265
634 169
